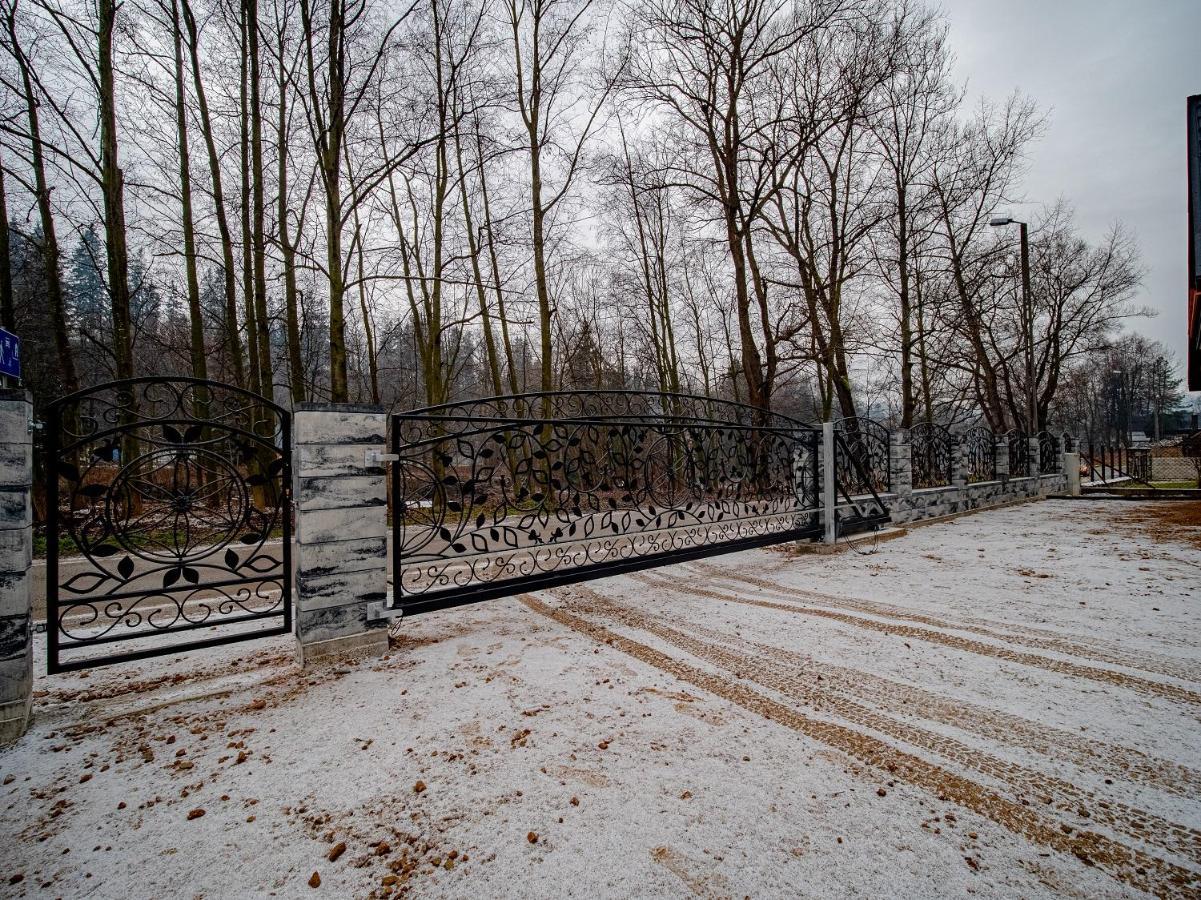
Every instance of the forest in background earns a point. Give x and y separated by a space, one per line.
782 203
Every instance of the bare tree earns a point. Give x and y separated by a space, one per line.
712 71
975 172
550 47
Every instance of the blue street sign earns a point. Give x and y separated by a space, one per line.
10 354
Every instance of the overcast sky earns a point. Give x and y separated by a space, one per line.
1113 75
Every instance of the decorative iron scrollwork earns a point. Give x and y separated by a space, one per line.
980 453
482 502
932 455
867 441
165 501
1019 454
1048 453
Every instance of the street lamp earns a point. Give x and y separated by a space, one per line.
1028 315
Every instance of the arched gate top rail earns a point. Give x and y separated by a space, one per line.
608 405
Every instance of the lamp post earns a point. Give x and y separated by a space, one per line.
1028 316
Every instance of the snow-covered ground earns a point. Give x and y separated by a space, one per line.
1005 704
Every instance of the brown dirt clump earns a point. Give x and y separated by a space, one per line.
1168 522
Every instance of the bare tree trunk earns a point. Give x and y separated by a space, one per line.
908 400
474 252
368 328
752 362
258 215
286 248
55 298
331 132
199 358
232 331
361 284
927 390
494 263
249 313
112 181
540 285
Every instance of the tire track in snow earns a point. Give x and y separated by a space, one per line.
1103 758
1039 638
1099 756
1023 781
1126 864
1062 667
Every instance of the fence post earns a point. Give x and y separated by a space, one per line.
959 467
1070 463
829 492
1001 449
1035 455
900 462
16 554
341 530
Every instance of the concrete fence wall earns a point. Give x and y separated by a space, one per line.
934 503
907 505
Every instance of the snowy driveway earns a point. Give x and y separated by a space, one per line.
1006 704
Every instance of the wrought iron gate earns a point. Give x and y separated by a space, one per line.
493 497
168 520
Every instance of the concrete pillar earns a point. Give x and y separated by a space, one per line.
959 463
1002 450
900 462
341 530
16 554
1035 457
829 491
1071 468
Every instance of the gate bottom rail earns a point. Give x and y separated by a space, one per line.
417 604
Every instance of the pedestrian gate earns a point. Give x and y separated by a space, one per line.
168 520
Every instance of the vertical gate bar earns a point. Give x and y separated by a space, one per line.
829 501
53 417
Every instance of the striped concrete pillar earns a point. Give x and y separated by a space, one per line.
900 462
959 461
341 530
16 554
1002 452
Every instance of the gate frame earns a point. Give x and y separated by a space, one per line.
50 454
448 599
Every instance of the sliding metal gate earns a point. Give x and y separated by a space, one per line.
168 525
493 497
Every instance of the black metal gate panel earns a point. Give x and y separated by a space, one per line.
168 520
497 496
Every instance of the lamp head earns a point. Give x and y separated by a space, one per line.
998 221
